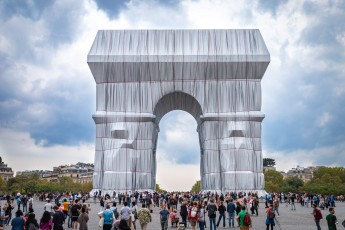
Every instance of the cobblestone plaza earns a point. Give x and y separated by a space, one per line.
301 219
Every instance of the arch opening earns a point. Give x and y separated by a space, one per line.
178 152
177 101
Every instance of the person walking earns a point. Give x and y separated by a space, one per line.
125 213
134 215
221 210
163 215
331 220
317 216
144 217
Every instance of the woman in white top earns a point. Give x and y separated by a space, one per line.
134 215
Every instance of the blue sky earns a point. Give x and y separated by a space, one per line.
47 92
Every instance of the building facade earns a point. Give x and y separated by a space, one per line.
80 173
5 172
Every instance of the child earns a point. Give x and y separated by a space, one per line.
331 220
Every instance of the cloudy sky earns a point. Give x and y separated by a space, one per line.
47 92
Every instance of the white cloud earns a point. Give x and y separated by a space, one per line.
20 152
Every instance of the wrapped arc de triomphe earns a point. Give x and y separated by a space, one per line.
215 75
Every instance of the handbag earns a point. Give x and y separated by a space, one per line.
101 222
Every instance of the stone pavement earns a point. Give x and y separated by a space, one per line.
301 219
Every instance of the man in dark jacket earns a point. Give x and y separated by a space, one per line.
184 213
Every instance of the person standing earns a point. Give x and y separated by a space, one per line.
221 210
211 212
31 222
184 213
18 222
231 212
164 217
317 216
331 220
144 217
201 217
292 202
270 215
276 205
58 219
83 218
241 217
46 222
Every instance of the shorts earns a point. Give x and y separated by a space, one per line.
74 218
193 223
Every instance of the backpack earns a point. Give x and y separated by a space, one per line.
32 227
74 210
318 214
193 213
116 213
271 214
211 209
246 220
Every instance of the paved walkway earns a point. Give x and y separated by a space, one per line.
301 219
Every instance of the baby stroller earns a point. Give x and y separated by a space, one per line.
181 226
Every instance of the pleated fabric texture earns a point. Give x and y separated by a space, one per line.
215 75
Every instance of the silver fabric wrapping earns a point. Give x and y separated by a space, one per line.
215 75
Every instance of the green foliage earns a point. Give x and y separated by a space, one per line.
159 189
3 186
268 162
327 180
32 184
196 187
292 184
274 176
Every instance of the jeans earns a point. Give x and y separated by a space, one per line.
69 221
202 225
317 222
293 207
184 220
221 216
268 226
164 224
213 222
231 219
276 209
107 226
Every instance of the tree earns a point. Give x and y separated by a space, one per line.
292 184
159 189
273 181
196 187
3 186
269 162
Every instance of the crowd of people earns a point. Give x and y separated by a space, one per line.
231 210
